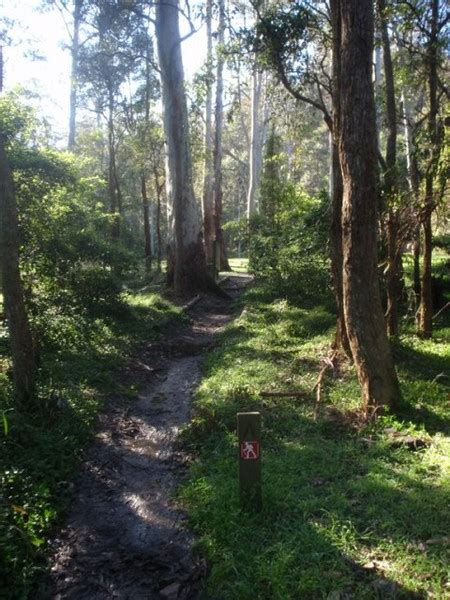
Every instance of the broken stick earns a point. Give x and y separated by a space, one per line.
283 394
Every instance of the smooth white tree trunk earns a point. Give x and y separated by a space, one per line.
218 148
208 192
255 154
186 259
75 50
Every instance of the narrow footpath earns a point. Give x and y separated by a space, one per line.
125 537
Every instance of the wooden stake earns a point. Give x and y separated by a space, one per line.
249 436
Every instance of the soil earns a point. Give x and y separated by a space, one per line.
125 536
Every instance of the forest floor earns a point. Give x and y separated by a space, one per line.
351 510
125 536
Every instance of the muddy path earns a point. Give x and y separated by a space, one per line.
125 537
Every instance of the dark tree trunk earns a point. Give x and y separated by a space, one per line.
416 268
117 183
158 233
159 188
21 341
366 327
218 151
413 182
426 302
78 5
341 340
145 202
393 276
112 180
147 232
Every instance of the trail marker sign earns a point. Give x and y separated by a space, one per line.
250 450
249 436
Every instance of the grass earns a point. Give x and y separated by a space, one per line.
238 265
345 513
39 454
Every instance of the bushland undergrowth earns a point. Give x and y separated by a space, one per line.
40 452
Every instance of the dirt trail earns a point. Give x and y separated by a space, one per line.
124 536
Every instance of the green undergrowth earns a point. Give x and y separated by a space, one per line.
39 452
346 514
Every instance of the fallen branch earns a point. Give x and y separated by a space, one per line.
283 394
441 310
439 376
328 363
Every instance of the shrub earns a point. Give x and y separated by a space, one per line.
97 289
288 239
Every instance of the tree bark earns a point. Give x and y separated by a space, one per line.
148 220
336 255
416 268
364 318
159 188
147 231
393 277
78 5
186 257
21 341
208 190
394 269
413 182
218 150
426 302
112 180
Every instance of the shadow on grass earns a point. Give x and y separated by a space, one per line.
424 416
341 519
418 364
337 518
426 384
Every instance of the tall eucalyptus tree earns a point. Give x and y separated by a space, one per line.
187 271
364 319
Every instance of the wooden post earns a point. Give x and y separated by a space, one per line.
249 436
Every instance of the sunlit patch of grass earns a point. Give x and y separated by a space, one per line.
344 512
238 265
